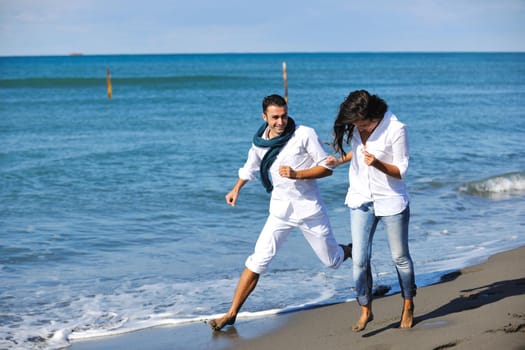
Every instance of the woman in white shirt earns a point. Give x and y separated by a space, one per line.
378 164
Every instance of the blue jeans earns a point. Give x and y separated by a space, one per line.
363 223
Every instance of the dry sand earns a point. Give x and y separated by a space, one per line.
481 307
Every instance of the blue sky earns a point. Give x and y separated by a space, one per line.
60 27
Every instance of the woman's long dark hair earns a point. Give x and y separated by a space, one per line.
358 105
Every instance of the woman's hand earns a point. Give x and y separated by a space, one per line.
332 161
370 159
389 169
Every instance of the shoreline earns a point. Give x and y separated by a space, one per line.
478 307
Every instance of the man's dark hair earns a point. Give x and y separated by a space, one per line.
273 100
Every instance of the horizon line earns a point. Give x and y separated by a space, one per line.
81 54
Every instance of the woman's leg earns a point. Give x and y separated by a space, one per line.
363 223
407 315
396 227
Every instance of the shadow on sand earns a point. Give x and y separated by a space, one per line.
467 300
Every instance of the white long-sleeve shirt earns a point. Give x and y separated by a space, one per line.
290 198
388 143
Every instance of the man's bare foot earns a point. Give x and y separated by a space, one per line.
407 317
219 323
366 316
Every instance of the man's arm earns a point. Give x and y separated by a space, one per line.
231 197
316 172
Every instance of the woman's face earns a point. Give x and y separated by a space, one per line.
366 125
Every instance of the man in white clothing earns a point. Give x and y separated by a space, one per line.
289 158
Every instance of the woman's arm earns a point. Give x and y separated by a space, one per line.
389 169
335 162
399 166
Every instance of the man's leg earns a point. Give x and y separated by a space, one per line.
318 232
271 238
245 286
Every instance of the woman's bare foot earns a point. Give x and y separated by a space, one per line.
219 323
366 316
407 316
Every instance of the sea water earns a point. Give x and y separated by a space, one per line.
112 211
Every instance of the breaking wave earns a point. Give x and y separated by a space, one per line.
497 187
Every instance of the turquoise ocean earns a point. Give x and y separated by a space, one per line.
112 212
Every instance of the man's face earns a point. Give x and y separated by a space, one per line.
277 119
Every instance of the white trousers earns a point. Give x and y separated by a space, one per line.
317 231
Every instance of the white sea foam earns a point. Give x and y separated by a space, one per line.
497 187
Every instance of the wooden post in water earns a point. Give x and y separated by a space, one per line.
285 81
108 82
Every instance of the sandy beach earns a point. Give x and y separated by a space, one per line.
480 307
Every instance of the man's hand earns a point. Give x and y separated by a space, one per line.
231 197
316 172
288 172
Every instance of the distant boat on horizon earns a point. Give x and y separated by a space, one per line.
76 54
